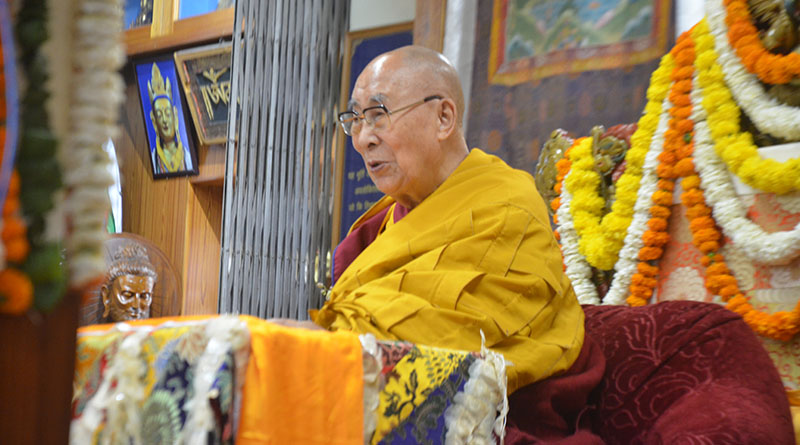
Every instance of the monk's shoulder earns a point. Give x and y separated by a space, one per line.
515 187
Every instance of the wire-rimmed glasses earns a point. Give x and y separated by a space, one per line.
377 117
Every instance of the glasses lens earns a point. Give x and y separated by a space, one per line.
347 119
377 117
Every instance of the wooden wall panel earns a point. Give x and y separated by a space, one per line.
204 220
429 20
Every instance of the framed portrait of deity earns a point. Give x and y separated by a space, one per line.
170 148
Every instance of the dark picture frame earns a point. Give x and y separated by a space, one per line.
205 74
163 106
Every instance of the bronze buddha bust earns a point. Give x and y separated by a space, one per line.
128 291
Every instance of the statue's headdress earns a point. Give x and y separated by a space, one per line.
130 259
156 86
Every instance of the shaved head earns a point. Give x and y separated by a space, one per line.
427 70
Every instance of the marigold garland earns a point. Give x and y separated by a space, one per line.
729 213
765 112
648 133
600 238
706 236
14 232
575 265
16 292
16 289
743 36
736 147
720 280
676 138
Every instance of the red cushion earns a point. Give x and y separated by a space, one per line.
685 372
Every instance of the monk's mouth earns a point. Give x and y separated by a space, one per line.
375 166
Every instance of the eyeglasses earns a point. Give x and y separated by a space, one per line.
377 117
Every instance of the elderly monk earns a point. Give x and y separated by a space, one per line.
460 245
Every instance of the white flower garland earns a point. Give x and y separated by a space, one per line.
577 268
224 333
372 359
767 114
625 267
721 196
97 95
479 412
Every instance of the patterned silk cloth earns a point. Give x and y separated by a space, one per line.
771 288
169 380
212 380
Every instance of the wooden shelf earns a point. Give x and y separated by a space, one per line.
193 30
209 181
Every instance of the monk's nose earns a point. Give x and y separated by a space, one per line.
365 138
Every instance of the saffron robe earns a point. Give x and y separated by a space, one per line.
476 256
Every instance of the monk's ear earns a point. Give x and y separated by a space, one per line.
448 118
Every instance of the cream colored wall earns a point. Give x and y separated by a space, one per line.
687 13
365 14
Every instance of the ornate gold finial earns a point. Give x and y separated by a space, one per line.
156 86
131 259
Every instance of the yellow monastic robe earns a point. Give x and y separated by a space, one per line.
476 255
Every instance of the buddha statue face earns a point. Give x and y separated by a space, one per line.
128 297
128 291
164 119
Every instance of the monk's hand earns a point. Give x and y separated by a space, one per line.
289 323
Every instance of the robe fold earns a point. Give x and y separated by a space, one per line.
476 256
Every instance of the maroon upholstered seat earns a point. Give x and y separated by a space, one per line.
684 372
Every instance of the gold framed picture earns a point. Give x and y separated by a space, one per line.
205 74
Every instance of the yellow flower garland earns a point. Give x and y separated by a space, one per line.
600 239
736 147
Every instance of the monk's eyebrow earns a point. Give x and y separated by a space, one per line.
379 98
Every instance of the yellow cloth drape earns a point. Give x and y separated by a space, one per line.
476 255
302 386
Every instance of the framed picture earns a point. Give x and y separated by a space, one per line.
170 148
355 192
205 73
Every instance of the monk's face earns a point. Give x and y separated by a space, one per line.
401 158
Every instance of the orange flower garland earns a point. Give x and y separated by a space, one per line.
16 289
719 278
16 292
14 233
676 139
562 168
743 36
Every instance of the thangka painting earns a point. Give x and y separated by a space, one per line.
533 39
548 64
